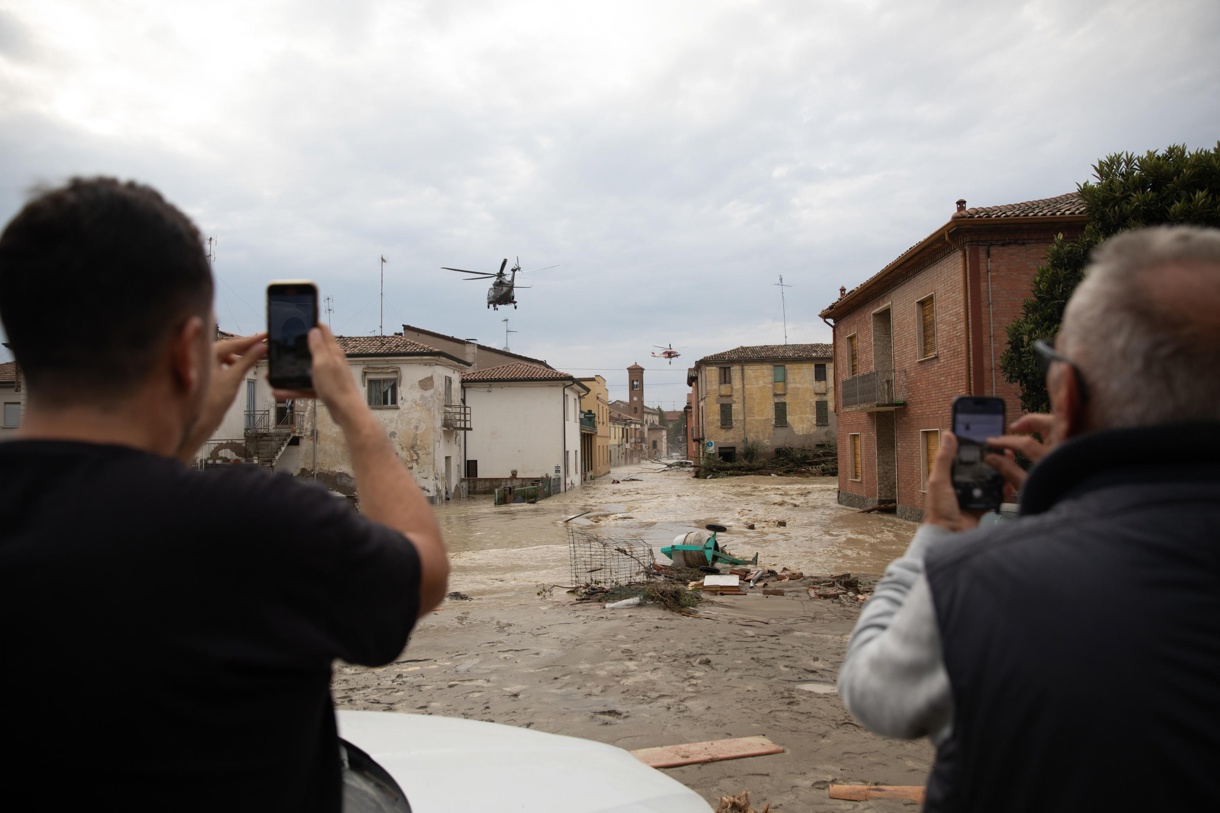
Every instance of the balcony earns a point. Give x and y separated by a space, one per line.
588 422
457 416
878 391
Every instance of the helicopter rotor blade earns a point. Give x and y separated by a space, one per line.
536 270
503 264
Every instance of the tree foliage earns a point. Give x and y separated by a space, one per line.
1129 192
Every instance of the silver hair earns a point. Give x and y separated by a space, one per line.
1144 328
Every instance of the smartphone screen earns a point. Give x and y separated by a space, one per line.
974 420
292 309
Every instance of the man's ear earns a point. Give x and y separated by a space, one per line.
184 355
1067 400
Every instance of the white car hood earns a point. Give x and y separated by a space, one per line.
450 765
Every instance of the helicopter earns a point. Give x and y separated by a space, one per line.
666 353
502 285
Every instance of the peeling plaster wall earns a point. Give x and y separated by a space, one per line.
414 427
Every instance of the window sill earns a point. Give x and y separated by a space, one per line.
384 406
927 358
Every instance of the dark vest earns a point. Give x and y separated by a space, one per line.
1082 641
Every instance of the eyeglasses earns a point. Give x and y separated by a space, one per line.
1047 354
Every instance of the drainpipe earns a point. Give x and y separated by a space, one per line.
564 425
991 318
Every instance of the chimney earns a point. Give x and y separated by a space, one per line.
842 291
961 204
472 353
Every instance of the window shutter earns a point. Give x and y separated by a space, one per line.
928 346
931 447
822 415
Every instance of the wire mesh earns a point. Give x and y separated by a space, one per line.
606 560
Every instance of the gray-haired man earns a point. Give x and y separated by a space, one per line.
1070 660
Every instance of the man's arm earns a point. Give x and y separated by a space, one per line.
893 678
388 491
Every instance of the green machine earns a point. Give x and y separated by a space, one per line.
699 549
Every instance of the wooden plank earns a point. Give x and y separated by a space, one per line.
671 756
863 793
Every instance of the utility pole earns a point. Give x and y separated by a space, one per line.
506 332
381 318
783 305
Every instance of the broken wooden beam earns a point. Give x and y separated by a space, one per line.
691 753
863 793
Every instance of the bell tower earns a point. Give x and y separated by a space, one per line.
635 385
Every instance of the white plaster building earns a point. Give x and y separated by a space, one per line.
524 418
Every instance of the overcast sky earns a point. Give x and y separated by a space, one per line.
673 158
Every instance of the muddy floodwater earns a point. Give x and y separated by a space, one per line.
797 524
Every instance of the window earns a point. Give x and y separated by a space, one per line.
781 413
12 414
819 372
727 453
927 327
448 390
779 374
383 392
726 375
853 445
853 358
929 445
635 384
726 416
822 413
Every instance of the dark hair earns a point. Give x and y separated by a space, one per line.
94 277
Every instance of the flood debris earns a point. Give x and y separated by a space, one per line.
844 587
739 804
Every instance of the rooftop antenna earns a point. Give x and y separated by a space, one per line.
381 317
211 251
330 309
506 332
783 305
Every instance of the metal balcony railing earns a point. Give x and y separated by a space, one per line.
880 389
457 416
588 422
261 421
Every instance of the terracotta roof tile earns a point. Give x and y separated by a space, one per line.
382 346
770 352
1069 204
517 372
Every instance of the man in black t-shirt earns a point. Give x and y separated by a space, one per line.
168 633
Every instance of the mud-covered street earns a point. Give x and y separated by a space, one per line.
521 651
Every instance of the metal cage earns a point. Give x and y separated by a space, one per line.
608 561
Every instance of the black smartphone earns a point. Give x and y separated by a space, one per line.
976 418
292 309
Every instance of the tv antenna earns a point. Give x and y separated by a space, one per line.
783 305
381 316
330 309
506 332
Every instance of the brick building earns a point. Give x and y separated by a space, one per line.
930 326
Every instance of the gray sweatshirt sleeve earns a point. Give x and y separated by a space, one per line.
893 679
